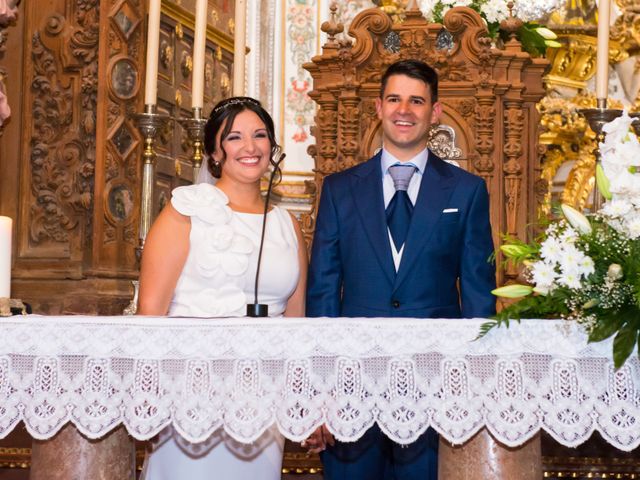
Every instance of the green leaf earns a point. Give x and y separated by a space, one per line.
531 40
604 329
486 327
623 344
494 29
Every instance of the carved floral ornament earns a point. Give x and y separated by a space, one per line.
63 157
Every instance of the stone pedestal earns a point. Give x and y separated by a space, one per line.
484 457
70 456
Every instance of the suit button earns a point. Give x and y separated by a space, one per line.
395 304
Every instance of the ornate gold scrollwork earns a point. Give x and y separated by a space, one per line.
568 139
568 165
626 29
574 62
394 8
179 31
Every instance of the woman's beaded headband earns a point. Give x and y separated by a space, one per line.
237 101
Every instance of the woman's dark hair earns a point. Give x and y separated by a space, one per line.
222 116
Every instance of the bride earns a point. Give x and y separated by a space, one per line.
200 260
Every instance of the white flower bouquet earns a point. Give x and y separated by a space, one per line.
534 38
587 269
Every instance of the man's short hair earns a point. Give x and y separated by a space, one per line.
413 69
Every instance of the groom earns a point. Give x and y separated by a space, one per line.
404 234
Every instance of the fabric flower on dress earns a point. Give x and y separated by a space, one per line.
203 201
224 250
221 249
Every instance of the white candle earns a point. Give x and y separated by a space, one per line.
5 257
153 47
602 56
239 44
199 44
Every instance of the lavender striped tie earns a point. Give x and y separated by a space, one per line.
400 207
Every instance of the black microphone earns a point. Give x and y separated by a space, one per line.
256 309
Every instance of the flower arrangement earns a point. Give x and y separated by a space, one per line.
534 38
587 269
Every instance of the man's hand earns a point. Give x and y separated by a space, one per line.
319 440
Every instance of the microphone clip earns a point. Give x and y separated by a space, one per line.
257 310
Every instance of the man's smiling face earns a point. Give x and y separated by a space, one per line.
407 114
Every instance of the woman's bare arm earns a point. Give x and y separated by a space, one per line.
165 252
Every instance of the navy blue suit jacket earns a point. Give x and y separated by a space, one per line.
444 272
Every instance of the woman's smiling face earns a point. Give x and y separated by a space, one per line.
247 148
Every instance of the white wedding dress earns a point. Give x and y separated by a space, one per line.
217 281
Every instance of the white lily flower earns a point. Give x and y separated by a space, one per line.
512 291
545 33
616 208
633 227
603 182
618 129
576 219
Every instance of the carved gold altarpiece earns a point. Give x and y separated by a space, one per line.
489 98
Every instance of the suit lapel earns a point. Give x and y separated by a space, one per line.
435 189
369 200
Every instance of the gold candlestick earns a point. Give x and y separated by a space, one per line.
597 118
149 123
195 130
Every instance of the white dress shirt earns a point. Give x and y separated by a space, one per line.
388 190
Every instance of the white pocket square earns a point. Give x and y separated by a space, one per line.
450 210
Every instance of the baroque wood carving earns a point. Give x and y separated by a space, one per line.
63 134
76 150
489 101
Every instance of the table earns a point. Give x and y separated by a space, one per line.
244 375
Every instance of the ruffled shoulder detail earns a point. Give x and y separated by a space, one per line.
204 201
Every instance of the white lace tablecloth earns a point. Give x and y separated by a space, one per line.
246 374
